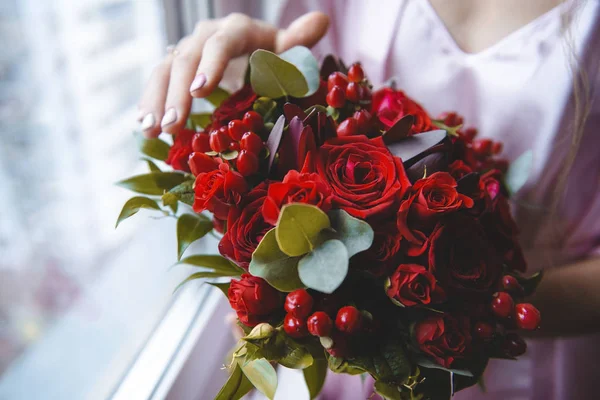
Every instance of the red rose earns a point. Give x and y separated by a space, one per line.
181 150
296 187
458 169
380 258
462 258
412 284
443 337
253 299
365 177
219 190
428 200
390 106
234 107
245 228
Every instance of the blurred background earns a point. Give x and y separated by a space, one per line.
81 302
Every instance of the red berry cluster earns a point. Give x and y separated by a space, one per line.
303 318
239 135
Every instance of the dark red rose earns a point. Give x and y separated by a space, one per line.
462 258
428 200
366 179
181 150
444 337
458 169
296 187
245 227
253 299
219 190
390 106
234 107
413 284
380 258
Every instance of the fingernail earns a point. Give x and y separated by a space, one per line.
198 82
169 118
148 122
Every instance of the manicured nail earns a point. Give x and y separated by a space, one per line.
198 82
169 118
148 122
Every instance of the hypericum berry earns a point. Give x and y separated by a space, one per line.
356 73
497 148
527 316
451 119
337 79
247 163
482 147
348 319
503 304
234 146
353 92
200 143
336 97
252 142
253 121
483 330
319 324
365 94
294 327
347 128
514 346
363 120
219 140
237 128
511 284
469 134
299 303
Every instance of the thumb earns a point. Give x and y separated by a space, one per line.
304 31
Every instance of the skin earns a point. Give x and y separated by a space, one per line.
567 296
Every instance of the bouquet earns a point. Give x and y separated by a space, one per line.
357 233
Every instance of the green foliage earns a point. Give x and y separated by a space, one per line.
356 234
325 268
191 227
307 64
518 172
183 192
530 283
450 130
388 391
151 165
223 287
236 387
299 227
262 375
217 96
214 263
133 205
198 122
260 332
314 376
154 148
265 107
154 183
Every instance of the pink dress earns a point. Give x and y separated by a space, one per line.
518 91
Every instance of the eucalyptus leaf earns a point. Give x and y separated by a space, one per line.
414 145
191 227
133 205
155 183
274 266
304 60
236 387
275 138
325 268
199 121
356 234
154 148
214 262
299 227
217 96
262 375
271 76
315 377
519 171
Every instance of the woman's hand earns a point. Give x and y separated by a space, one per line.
195 67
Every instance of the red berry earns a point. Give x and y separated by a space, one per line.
353 92
336 97
339 347
253 121
247 163
502 304
356 73
294 327
319 324
527 316
236 129
200 143
365 94
511 284
337 79
484 331
234 146
348 128
469 134
451 119
252 142
514 345
482 147
497 148
219 140
299 303
348 319
363 120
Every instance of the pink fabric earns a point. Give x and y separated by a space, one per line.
518 91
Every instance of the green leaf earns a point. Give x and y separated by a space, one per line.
262 375
265 107
294 355
450 130
151 165
236 386
199 121
518 172
191 227
183 192
230 155
216 263
315 377
217 96
356 234
530 283
155 183
223 287
133 205
154 148
325 268
261 331
307 64
199 275
274 266
271 76
388 391
299 227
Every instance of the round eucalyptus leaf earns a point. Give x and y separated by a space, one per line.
299 227
325 268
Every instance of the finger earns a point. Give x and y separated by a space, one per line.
178 100
152 104
307 30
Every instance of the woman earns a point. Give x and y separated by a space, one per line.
523 72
